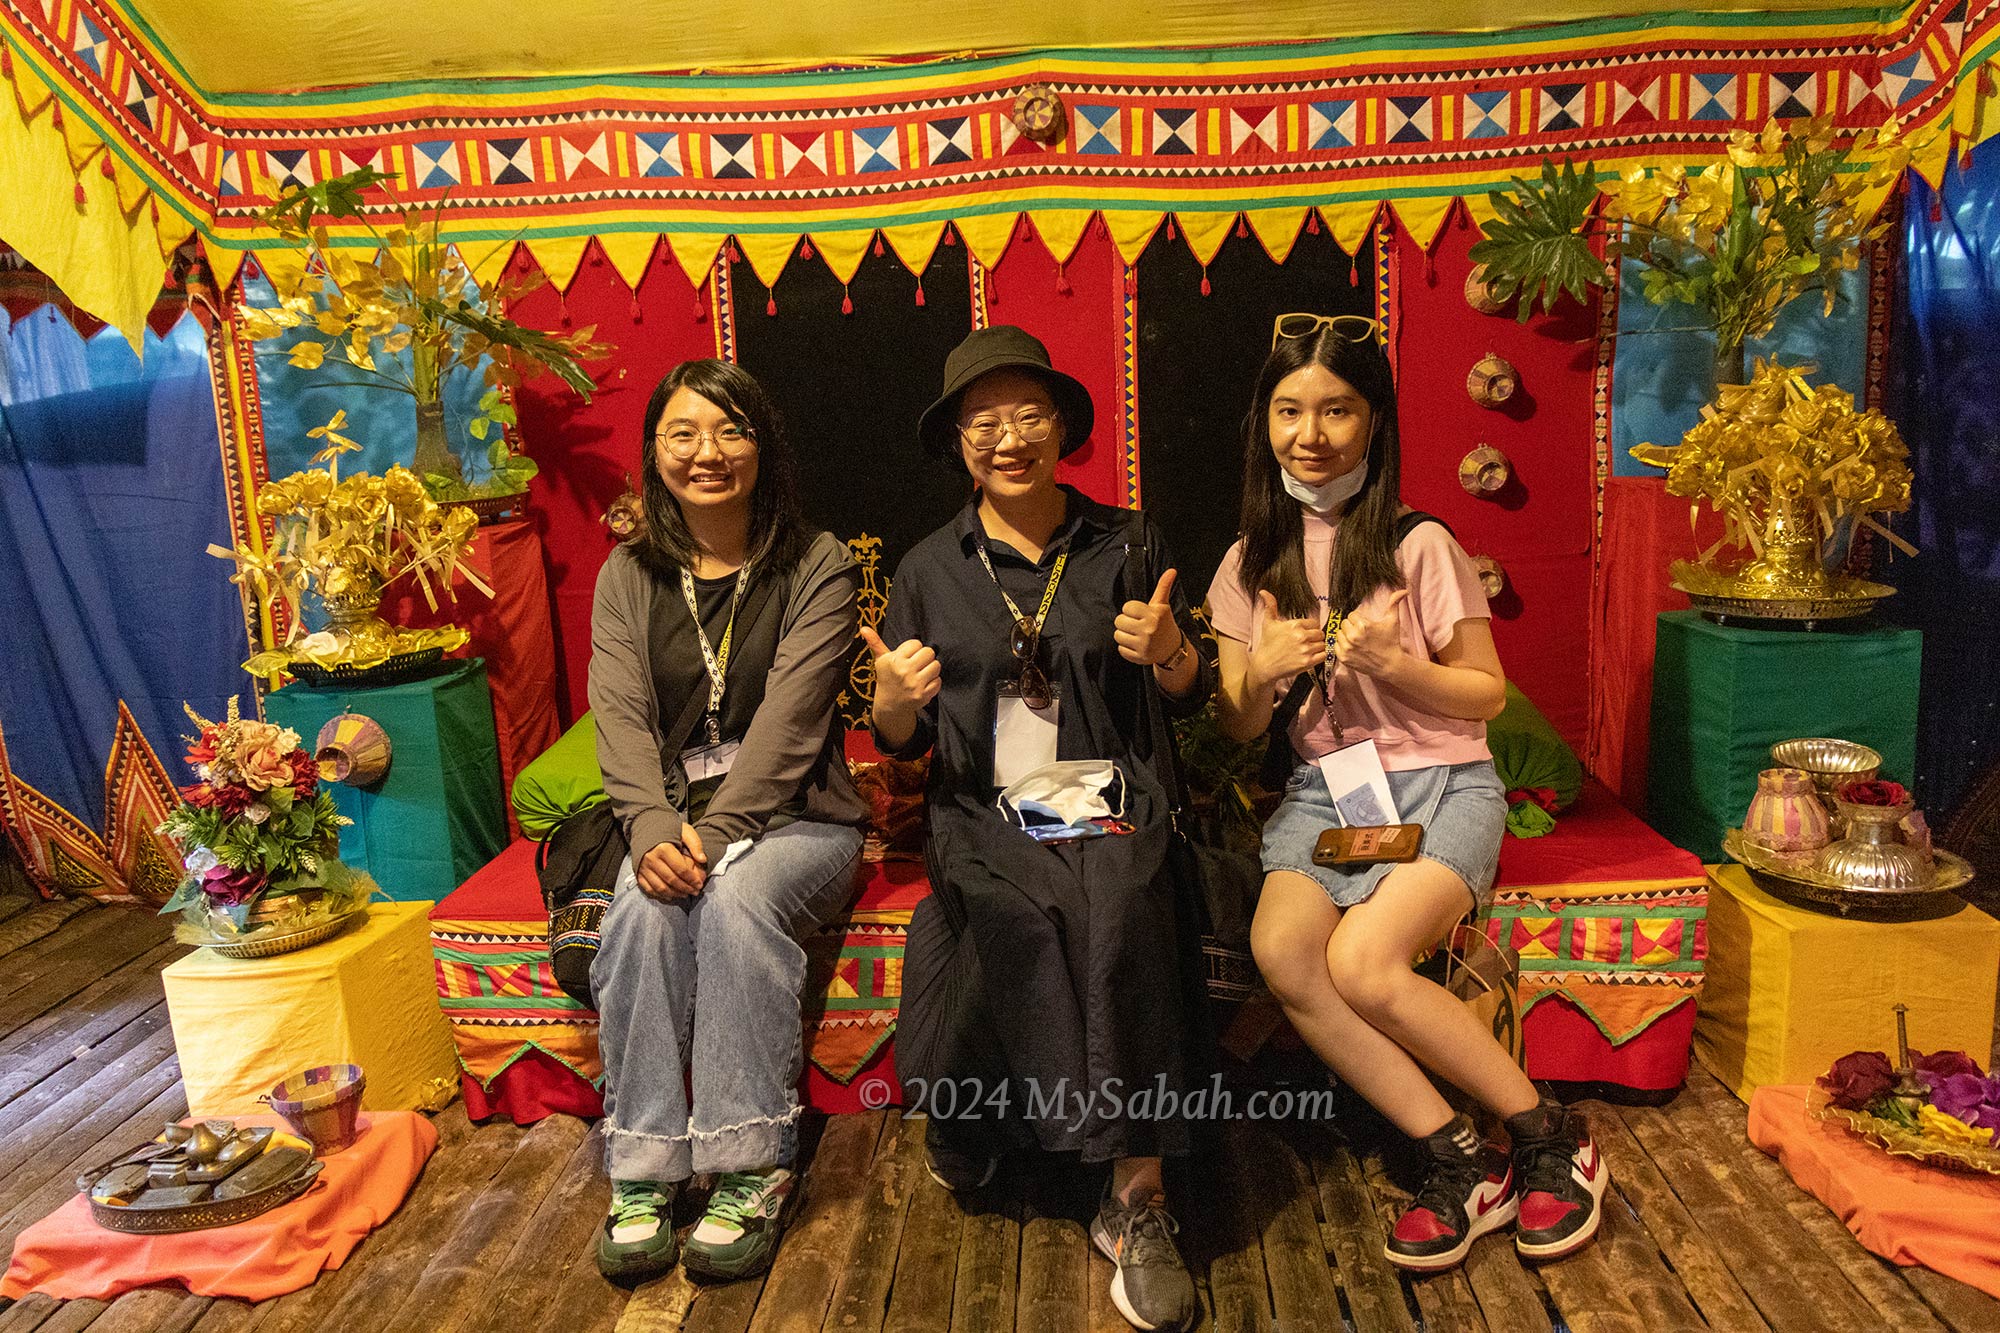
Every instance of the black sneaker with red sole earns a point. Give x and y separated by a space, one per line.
1465 1196
1562 1178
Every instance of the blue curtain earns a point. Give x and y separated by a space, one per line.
382 421
1945 397
111 490
1661 375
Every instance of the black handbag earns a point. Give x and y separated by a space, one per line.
1220 884
578 863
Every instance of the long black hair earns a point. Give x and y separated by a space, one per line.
1364 552
777 528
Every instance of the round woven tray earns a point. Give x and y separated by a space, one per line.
269 946
198 1216
386 672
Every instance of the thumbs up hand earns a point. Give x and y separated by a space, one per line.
1284 647
907 676
1146 632
1373 645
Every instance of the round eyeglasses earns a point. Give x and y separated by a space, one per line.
684 442
984 433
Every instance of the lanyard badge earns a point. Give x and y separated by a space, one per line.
715 661
1327 670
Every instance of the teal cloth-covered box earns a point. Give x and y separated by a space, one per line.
1723 696
436 816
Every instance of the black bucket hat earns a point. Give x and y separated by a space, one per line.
1003 347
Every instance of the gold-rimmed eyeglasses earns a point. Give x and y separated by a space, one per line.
684 441
1304 324
984 433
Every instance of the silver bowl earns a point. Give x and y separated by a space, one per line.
1832 763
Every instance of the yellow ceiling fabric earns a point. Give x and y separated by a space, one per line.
171 112
105 258
255 46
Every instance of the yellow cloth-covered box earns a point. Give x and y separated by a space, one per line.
1789 991
366 997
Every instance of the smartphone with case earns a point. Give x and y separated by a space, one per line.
1369 844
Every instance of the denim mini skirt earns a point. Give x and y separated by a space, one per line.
1462 807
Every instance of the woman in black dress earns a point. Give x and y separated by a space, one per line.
1045 990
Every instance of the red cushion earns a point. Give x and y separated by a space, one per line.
1596 841
504 889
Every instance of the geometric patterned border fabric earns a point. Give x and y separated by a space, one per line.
497 988
1626 954
1339 126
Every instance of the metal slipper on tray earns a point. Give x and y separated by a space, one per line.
208 1174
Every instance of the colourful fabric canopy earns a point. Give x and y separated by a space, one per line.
103 103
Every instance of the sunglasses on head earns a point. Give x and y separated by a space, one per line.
1304 324
1029 677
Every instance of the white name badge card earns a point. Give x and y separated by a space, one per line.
709 761
1024 738
1360 786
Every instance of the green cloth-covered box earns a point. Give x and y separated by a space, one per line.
1723 696
437 815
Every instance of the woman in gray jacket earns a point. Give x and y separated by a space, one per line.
720 638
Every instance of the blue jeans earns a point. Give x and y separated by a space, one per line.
711 983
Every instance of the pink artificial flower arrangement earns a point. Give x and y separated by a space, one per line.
255 822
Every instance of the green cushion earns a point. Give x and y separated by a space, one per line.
1527 752
560 781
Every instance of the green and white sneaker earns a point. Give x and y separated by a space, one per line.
638 1237
739 1233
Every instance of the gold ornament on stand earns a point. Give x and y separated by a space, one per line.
349 540
1790 467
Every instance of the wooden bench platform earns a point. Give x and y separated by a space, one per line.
1282 1226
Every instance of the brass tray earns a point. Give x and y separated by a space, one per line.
1798 882
1725 600
195 1216
270 946
1897 1141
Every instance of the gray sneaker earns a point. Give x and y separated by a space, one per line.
1151 1288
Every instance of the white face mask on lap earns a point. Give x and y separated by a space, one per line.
1326 499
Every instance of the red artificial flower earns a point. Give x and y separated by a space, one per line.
1858 1079
232 799
305 774
203 750
1879 791
1941 1065
201 796
227 886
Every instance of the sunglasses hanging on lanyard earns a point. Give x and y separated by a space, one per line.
1026 712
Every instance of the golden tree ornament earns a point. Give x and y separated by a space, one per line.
358 306
1787 464
348 540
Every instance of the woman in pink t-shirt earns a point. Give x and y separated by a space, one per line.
1346 621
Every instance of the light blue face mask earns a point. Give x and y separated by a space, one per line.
1329 496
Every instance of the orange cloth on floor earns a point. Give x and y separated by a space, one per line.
1904 1211
66 1255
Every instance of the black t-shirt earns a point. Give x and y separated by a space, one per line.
679 675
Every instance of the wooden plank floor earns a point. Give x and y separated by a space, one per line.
1282 1223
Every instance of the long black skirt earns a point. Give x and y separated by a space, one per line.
1051 994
